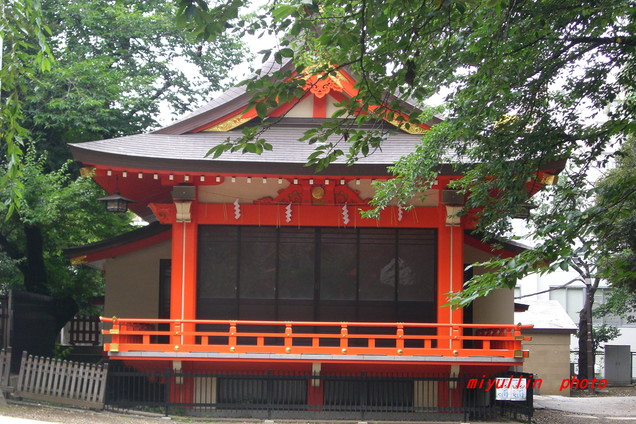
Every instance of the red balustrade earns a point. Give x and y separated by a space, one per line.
307 337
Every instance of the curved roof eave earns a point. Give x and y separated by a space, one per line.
231 100
236 98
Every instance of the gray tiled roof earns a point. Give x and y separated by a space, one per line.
187 152
179 147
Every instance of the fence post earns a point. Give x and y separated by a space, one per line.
363 393
530 397
23 371
270 389
168 384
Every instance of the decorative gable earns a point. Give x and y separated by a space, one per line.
321 99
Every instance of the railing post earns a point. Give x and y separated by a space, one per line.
232 336
288 337
399 342
344 341
176 335
456 341
115 339
516 344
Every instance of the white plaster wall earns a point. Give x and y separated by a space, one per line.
132 282
228 191
331 106
304 109
496 308
627 337
472 255
430 198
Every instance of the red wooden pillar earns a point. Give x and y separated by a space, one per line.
183 284
450 269
316 388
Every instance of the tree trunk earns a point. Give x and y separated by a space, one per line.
582 336
35 278
34 269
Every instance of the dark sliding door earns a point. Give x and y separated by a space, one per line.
321 274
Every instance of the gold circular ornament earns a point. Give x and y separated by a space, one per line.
317 193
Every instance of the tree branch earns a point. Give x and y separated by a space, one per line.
601 41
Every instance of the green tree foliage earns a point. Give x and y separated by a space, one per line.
117 64
603 334
525 83
23 53
618 226
617 263
56 211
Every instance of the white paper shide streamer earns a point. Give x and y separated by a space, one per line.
237 209
288 213
345 214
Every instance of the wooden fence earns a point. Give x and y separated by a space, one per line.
5 368
71 383
5 322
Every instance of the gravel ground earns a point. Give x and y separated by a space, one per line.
74 416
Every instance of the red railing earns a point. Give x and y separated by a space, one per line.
306 337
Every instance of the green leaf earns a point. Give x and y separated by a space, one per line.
287 52
261 109
282 11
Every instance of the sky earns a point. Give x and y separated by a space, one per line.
240 72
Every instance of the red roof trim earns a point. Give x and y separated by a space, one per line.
488 248
123 249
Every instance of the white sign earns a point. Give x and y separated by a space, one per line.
511 388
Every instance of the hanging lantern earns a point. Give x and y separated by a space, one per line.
115 203
523 211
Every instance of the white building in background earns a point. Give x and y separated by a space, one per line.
571 298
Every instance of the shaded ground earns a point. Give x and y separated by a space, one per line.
53 414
